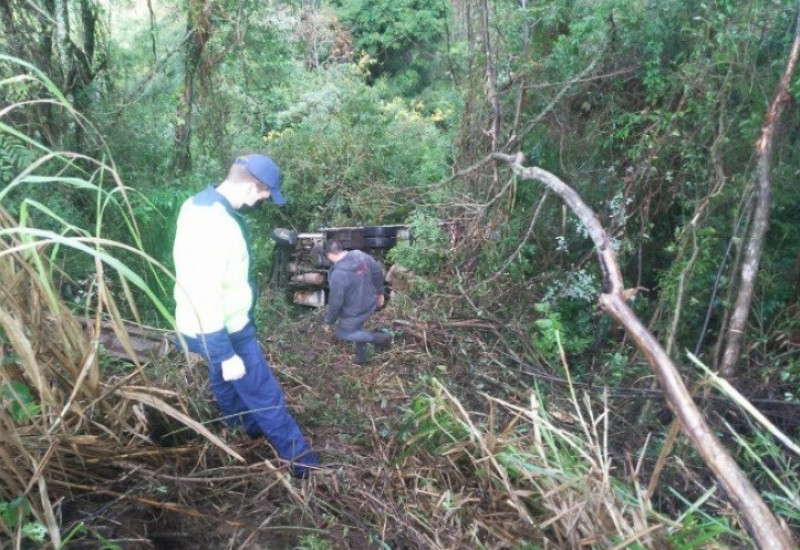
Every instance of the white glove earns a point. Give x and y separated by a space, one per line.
233 368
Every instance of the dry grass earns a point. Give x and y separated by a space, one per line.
66 419
135 455
91 467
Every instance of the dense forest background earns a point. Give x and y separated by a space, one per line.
513 412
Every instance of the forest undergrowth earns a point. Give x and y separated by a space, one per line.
419 448
497 420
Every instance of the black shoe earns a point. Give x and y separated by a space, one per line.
301 472
383 341
303 466
361 354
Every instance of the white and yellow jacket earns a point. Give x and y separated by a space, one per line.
214 296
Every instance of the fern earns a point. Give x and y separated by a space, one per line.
14 156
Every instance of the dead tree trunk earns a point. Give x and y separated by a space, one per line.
763 525
755 243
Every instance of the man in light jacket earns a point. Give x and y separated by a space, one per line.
215 298
355 292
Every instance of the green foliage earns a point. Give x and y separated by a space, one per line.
618 365
678 133
697 531
550 334
691 278
426 252
524 265
581 286
353 155
18 512
547 337
14 156
236 90
156 213
21 404
399 34
771 467
694 132
779 272
428 423
246 89
97 226
314 542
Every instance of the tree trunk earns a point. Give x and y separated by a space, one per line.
763 525
60 38
730 358
198 27
153 32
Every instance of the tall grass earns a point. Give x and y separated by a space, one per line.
550 475
65 413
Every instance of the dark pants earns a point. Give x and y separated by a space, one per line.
256 402
353 331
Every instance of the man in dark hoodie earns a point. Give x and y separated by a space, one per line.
355 284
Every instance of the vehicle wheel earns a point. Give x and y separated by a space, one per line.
284 237
380 231
318 259
379 242
342 235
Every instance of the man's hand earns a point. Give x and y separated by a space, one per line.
232 369
380 299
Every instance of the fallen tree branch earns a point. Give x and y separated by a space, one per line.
763 525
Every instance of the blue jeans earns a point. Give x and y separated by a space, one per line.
256 401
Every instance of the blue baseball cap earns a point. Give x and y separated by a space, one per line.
267 172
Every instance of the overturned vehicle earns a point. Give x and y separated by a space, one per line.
299 263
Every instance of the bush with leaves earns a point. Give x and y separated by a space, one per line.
354 154
427 251
401 35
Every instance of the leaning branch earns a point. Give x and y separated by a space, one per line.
763 525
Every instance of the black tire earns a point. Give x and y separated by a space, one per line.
284 237
318 258
342 235
379 242
380 231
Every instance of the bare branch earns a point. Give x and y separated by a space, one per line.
763 525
